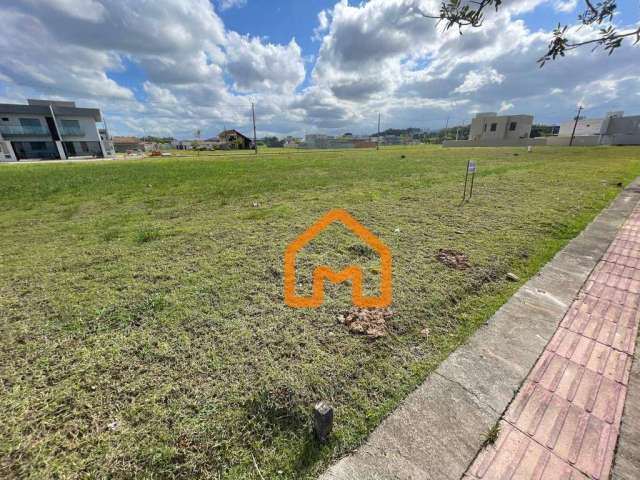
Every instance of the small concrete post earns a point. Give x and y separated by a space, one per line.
322 420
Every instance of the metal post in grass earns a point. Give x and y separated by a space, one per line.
255 140
471 169
197 143
378 139
322 420
466 177
472 166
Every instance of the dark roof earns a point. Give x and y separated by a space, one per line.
227 132
44 110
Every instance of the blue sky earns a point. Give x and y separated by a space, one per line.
170 67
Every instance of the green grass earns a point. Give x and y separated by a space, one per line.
142 325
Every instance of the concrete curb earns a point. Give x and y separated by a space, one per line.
437 431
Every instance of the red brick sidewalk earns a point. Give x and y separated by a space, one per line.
565 420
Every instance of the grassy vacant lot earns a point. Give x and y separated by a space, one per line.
142 327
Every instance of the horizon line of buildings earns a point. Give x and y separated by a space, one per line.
53 129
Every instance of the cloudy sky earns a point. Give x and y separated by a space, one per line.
170 67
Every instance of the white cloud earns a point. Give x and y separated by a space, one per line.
565 6
259 66
89 10
381 55
505 107
476 79
227 4
190 71
323 25
189 63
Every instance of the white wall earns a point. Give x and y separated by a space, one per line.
585 127
481 127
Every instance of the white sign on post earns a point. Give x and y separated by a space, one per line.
471 169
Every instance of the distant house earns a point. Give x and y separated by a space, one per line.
235 140
613 129
320 141
181 145
49 129
493 130
126 144
364 143
211 144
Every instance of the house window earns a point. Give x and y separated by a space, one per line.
30 122
5 119
70 124
484 129
494 126
84 147
512 126
38 146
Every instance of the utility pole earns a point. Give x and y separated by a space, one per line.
575 125
378 142
255 140
446 127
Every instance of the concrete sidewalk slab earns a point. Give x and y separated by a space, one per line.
438 430
565 420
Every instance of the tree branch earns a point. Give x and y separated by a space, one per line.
471 14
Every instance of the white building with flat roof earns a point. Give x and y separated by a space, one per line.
49 129
492 130
613 129
491 126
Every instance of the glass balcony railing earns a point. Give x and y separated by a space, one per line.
72 132
23 131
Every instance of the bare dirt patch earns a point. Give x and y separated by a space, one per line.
365 321
453 259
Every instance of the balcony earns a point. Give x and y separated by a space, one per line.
72 132
23 131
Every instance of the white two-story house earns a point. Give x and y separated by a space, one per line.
492 130
49 129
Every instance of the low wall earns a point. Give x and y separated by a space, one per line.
516 142
622 139
578 141
581 141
